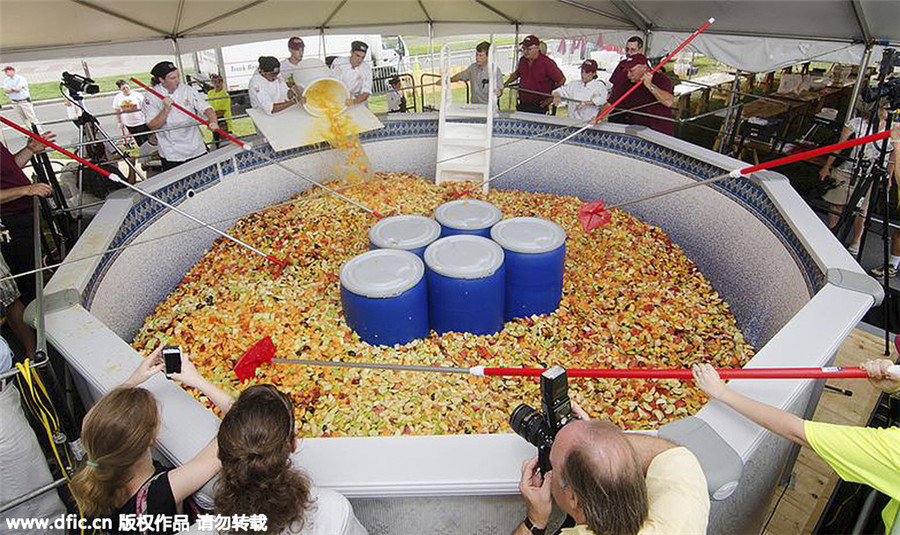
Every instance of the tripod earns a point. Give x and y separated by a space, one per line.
874 180
89 129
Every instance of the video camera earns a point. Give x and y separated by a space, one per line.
76 83
541 429
888 89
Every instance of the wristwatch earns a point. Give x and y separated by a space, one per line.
531 527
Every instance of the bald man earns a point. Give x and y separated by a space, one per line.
612 482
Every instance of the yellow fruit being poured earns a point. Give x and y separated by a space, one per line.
326 98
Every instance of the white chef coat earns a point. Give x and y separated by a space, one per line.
180 144
265 94
358 80
594 92
304 72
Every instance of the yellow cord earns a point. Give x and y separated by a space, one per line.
34 394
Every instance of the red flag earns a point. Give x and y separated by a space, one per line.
593 215
561 49
260 352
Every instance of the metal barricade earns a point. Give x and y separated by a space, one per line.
437 83
407 89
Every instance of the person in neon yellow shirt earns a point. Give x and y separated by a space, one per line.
866 455
220 101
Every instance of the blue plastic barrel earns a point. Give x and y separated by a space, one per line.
385 296
467 216
411 233
466 282
535 260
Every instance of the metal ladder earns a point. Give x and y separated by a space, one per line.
464 131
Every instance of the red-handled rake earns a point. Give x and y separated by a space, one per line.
280 263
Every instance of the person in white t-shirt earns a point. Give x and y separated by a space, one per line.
256 441
299 71
267 89
130 106
356 73
583 97
396 102
184 142
840 194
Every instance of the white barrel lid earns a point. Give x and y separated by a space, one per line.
404 232
382 273
467 214
528 235
464 256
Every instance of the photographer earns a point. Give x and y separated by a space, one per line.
866 455
120 476
838 196
610 482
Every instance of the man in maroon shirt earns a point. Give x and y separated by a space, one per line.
619 78
535 72
655 92
16 192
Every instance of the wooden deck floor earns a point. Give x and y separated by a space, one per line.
813 482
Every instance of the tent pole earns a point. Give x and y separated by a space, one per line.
515 65
860 77
220 66
322 43
177 50
726 132
431 57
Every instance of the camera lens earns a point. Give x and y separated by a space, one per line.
519 415
528 424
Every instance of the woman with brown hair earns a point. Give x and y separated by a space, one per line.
118 433
256 440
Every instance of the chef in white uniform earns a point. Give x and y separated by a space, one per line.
178 145
268 90
301 71
356 73
585 96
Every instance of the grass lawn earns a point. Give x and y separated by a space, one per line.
418 49
50 90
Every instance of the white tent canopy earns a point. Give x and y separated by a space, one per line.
789 31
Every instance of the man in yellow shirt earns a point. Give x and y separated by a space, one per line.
609 481
220 101
866 455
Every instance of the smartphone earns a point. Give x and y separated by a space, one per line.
172 358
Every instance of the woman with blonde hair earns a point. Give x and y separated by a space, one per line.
256 440
118 434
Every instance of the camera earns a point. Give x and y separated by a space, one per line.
172 358
540 429
76 83
889 90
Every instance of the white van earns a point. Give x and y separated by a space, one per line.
387 55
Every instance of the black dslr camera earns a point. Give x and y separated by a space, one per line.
540 429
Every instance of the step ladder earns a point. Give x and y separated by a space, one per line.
464 131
